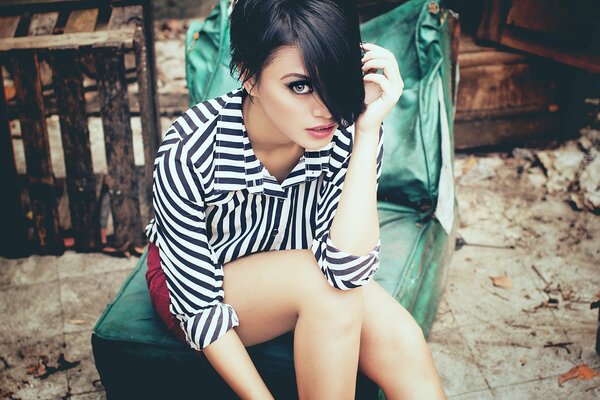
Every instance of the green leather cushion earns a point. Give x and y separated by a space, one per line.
133 349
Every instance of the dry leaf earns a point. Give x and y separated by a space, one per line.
9 92
502 281
36 370
76 321
581 371
471 162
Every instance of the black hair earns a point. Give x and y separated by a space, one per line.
327 33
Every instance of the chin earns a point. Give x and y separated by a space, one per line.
316 144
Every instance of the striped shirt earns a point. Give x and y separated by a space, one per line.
214 202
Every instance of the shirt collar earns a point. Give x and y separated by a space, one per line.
236 165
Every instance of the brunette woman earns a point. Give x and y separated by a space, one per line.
266 210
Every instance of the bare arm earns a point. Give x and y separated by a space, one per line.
355 228
230 359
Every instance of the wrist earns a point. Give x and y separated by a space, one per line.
366 137
362 126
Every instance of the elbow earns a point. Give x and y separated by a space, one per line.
352 275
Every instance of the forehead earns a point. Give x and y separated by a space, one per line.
286 60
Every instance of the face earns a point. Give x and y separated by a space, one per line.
288 103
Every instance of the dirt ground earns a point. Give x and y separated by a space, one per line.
514 321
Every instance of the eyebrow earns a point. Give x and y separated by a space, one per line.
295 74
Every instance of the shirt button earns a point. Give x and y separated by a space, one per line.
274 232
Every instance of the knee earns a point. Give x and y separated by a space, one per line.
320 299
342 308
409 335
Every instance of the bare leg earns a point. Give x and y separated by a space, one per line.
393 351
279 291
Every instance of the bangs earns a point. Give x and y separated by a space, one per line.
329 41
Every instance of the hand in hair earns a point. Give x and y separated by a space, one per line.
382 91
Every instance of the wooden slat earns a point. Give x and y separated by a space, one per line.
125 16
149 114
13 241
81 21
455 29
42 23
114 106
81 182
545 48
171 104
509 131
491 58
487 89
120 37
492 19
559 18
29 5
8 26
37 152
469 45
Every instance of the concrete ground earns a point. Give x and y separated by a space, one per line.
488 342
512 340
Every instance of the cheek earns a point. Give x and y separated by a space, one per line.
285 110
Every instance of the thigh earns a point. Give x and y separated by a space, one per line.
268 289
388 328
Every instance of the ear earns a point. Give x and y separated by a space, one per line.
249 84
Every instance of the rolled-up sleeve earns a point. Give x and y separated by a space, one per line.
342 270
193 275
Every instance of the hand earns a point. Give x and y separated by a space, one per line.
382 91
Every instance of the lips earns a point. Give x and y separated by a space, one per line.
316 128
321 131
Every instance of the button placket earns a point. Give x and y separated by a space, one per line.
275 232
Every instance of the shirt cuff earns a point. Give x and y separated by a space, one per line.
344 270
208 325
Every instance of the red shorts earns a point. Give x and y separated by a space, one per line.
159 293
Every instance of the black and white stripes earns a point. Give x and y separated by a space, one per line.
215 202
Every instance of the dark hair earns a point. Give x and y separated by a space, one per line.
327 34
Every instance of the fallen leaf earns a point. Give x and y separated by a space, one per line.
502 281
522 360
36 370
42 370
76 321
9 92
471 162
582 371
586 373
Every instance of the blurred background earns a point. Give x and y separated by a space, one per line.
514 321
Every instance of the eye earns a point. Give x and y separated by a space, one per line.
300 87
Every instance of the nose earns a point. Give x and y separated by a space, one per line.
318 108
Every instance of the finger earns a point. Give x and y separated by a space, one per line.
383 83
389 71
389 67
368 45
388 92
379 53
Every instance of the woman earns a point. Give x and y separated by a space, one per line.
290 161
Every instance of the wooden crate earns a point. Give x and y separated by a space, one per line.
505 97
70 36
565 31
